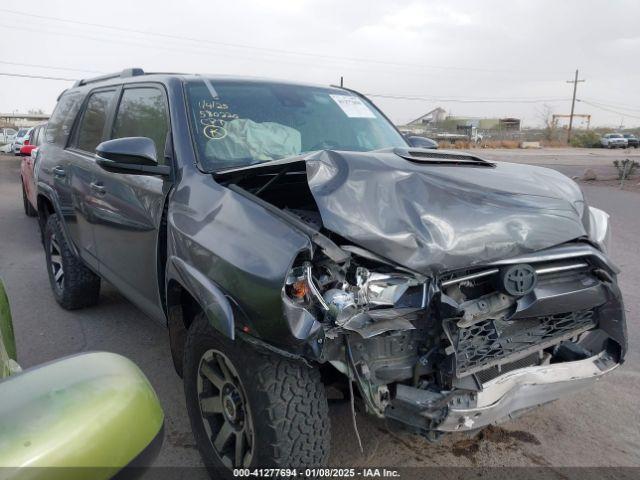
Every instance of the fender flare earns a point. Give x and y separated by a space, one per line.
209 296
50 194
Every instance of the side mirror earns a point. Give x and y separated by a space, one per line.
25 150
92 414
132 155
421 142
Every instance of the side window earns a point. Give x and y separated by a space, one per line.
61 121
143 113
91 126
34 137
40 135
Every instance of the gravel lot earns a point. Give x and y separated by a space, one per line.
597 428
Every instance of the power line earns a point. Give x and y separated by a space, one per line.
464 100
50 67
609 109
611 104
43 77
430 99
191 50
200 40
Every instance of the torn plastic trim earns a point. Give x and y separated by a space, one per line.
330 249
518 390
260 344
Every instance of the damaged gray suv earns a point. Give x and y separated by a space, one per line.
289 239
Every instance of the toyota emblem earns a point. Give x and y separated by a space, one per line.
518 280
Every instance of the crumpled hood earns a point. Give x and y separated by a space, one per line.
435 217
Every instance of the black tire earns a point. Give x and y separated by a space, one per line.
286 404
76 286
29 211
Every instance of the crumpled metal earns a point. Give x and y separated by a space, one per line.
436 217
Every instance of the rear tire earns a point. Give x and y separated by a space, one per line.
29 211
282 404
74 285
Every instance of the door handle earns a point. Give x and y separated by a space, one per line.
59 172
98 188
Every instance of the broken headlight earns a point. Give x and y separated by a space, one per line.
353 296
599 230
388 289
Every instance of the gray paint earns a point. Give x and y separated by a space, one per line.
442 217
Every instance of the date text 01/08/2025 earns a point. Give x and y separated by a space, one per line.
317 472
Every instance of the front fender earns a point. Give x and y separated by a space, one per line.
211 298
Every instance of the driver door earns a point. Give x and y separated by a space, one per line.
131 206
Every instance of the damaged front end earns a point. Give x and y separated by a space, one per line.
444 349
466 349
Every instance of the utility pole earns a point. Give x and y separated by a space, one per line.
575 82
341 82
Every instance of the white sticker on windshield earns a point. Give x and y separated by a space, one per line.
352 106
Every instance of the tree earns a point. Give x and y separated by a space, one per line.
545 114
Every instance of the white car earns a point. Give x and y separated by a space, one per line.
7 136
613 140
21 137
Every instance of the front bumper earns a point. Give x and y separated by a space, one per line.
514 392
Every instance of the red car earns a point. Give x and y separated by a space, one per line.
29 153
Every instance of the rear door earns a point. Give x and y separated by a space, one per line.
126 233
29 162
81 169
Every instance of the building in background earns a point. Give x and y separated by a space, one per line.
437 124
17 120
423 123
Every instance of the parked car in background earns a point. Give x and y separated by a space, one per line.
29 155
613 140
421 142
21 138
632 140
90 415
7 135
287 236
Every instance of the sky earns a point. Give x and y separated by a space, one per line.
473 58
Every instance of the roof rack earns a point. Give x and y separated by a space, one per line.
126 73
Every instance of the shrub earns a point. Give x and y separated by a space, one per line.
625 168
586 140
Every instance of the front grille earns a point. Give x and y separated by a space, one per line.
496 342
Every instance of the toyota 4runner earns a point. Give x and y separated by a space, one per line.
289 238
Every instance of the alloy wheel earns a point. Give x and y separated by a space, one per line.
55 262
223 408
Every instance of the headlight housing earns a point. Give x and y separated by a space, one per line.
352 296
599 229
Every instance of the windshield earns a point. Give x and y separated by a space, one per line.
239 123
22 132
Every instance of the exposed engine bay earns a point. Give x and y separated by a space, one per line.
445 349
